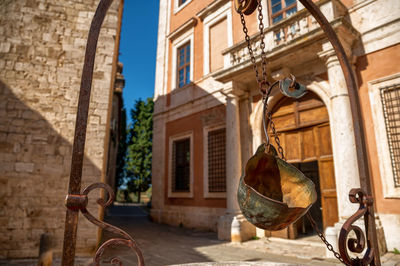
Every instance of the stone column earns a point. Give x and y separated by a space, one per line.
343 142
241 229
342 131
233 152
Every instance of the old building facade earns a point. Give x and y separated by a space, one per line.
208 113
42 47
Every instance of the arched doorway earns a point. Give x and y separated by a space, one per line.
304 132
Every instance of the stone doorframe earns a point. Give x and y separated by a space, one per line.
342 135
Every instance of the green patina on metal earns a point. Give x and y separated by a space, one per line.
273 193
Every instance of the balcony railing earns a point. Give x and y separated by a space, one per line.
288 31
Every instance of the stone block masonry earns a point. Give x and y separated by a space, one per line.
42 47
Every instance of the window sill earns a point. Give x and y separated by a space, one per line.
185 87
180 195
215 195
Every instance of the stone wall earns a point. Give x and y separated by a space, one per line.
42 46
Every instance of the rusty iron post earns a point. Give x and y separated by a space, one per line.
71 220
76 201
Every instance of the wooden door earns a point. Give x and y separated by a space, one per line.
327 176
304 133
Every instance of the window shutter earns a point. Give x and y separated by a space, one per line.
218 42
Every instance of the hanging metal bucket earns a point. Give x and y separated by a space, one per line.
272 193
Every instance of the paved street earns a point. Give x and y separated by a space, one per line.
167 245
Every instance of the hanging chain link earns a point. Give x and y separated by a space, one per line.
262 81
277 141
262 45
322 236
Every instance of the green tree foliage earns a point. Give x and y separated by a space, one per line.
139 151
122 148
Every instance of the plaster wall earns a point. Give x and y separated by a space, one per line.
370 67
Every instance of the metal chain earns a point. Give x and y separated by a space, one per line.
263 80
321 235
262 44
277 141
247 38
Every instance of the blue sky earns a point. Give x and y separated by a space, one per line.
138 49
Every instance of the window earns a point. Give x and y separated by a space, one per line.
217 35
217 161
281 9
182 42
183 65
214 161
181 2
384 96
390 97
218 42
181 165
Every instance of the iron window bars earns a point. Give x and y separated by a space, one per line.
216 160
391 110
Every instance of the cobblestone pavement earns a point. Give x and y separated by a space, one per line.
167 245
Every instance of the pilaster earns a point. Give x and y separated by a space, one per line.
233 226
343 146
233 150
342 131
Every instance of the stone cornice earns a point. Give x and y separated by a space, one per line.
211 8
184 27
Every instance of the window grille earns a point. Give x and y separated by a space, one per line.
181 166
217 160
391 110
281 9
183 69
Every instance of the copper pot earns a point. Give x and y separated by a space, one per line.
273 193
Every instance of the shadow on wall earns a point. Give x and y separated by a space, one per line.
34 173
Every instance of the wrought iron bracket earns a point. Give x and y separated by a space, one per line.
79 202
76 202
357 245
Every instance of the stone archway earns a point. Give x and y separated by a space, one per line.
342 136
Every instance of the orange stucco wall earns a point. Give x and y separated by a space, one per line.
178 19
194 123
370 67
251 23
190 11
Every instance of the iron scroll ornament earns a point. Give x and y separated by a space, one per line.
75 201
79 202
357 245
